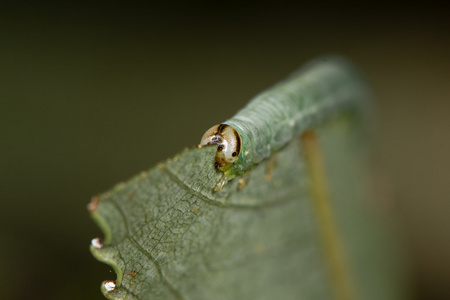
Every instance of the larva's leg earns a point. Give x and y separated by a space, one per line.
221 184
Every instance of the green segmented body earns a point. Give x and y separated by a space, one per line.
310 96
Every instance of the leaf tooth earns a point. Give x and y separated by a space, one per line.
97 243
92 206
109 285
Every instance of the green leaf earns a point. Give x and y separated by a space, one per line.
294 227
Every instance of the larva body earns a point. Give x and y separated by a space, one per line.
315 93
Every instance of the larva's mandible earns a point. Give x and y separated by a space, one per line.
315 93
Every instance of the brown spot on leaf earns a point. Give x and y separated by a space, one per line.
270 168
132 274
243 182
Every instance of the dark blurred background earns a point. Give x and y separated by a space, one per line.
92 94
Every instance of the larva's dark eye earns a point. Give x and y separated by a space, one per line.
228 141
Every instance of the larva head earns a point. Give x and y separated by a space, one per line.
228 144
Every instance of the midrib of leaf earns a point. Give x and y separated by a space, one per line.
330 235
